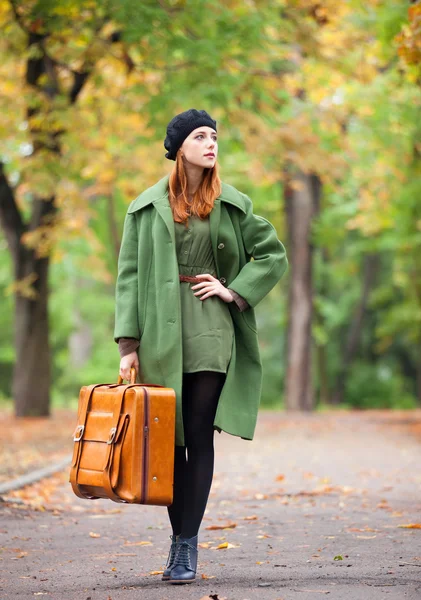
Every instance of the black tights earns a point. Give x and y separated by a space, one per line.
193 475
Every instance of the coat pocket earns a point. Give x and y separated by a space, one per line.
249 319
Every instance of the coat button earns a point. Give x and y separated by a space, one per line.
221 245
223 280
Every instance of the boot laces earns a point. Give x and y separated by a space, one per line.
171 554
183 555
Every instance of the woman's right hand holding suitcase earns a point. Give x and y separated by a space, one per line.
126 363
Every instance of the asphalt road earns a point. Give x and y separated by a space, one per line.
316 505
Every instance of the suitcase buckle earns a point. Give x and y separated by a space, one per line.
112 435
80 429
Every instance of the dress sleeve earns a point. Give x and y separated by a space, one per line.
127 346
239 301
268 261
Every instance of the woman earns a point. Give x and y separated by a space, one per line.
194 262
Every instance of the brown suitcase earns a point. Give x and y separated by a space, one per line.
124 443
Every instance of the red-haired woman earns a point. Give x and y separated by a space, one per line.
194 262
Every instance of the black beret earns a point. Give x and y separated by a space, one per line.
181 126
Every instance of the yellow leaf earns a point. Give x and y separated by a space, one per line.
156 572
411 526
225 545
94 535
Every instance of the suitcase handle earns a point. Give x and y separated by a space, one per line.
133 376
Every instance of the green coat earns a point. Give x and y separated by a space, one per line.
249 259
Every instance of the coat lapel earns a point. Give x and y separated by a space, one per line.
214 220
162 205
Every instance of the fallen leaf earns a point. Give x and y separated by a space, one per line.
226 526
144 543
94 535
225 545
208 576
338 557
251 518
280 478
155 572
411 526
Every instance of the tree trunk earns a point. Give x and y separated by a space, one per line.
371 262
32 372
302 199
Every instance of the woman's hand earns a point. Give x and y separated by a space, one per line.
211 287
128 361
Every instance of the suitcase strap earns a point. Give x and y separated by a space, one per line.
77 448
113 458
118 425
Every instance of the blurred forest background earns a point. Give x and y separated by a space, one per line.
318 111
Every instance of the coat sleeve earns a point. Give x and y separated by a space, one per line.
268 260
126 292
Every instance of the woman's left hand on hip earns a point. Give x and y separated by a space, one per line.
211 287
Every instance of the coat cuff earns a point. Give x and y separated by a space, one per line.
127 346
241 303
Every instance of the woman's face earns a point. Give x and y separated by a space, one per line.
199 147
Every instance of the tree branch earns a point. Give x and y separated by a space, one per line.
17 16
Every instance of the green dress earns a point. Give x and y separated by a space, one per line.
207 326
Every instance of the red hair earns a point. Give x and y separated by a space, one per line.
210 188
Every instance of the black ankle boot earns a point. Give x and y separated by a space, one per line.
171 556
185 561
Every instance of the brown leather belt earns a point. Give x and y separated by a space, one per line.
190 279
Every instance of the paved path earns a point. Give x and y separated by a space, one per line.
308 489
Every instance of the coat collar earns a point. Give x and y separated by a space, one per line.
158 193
